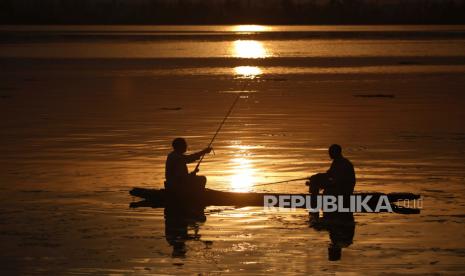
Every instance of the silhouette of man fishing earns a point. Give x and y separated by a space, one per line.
179 182
338 180
178 179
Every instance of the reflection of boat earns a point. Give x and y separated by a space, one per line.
158 198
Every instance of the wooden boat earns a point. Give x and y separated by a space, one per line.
159 198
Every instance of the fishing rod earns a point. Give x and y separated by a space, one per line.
284 181
219 128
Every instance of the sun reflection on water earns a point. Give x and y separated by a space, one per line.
247 71
250 28
243 175
249 49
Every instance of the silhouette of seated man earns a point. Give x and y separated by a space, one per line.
338 180
179 182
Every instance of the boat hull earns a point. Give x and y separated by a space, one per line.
159 198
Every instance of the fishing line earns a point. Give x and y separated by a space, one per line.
278 182
221 125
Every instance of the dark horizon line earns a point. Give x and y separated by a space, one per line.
238 23
263 12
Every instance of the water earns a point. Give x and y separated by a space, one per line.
89 112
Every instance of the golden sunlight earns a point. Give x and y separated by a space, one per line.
250 28
243 175
249 49
247 71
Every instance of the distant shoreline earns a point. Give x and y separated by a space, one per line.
189 12
232 23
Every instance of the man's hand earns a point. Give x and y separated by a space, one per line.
194 172
207 150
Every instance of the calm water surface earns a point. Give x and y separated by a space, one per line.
88 112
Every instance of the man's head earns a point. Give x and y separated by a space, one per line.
179 145
335 151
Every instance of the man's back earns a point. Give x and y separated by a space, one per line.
342 176
176 172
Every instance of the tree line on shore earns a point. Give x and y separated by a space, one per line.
232 11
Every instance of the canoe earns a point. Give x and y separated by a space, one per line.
159 198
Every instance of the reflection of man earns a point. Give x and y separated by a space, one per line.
178 179
339 179
177 221
341 228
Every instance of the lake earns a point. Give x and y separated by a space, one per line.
88 112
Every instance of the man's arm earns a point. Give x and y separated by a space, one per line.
196 156
330 171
